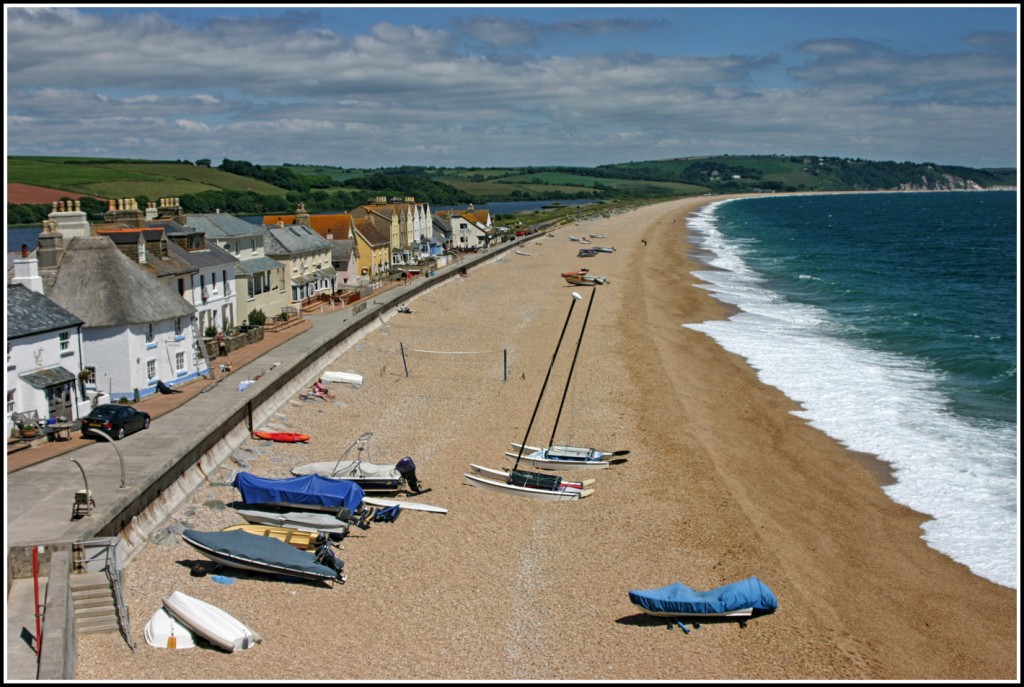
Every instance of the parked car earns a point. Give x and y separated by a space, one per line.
115 420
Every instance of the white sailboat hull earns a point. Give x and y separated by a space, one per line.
503 475
404 505
298 520
562 457
206 620
564 494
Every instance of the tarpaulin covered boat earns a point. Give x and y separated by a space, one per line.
240 549
307 492
744 599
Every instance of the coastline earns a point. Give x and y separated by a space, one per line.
722 483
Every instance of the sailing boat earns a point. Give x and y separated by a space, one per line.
560 457
532 484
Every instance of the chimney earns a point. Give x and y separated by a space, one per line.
69 222
26 271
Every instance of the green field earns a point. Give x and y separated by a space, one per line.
128 179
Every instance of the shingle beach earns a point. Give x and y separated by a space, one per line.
722 482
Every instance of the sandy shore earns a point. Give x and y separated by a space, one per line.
722 483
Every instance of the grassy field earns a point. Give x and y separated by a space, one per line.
125 179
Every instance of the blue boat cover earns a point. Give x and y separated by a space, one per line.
681 600
276 555
307 490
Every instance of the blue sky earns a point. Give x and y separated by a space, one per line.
482 86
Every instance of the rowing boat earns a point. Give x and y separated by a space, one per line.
285 437
217 626
345 377
165 632
300 539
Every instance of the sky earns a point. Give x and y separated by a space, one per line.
490 85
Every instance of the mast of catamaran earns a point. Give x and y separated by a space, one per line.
572 367
575 297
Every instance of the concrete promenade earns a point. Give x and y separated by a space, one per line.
140 480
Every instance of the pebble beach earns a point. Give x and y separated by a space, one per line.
722 482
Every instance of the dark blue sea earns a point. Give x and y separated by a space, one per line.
892 319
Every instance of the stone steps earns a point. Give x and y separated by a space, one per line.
94 603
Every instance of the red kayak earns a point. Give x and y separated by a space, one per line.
286 437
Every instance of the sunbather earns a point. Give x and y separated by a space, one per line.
320 390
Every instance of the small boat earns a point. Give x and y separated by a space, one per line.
521 252
604 249
372 477
530 485
211 623
245 551
564 457
304 521
574 238
583 278
599 236
300 539
308 492
583 240
345 377
285 437
586 253
164 632
744 599
499 475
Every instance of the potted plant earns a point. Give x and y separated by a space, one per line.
29 430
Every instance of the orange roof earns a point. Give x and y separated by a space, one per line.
340 224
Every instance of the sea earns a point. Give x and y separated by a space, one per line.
892 319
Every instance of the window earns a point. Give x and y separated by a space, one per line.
149 333
179 362
178 326
181 287
151 369
90 375
65 341
10 401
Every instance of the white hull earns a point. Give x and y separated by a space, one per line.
501 475
206 620
162 627
538 460
404 505
346 377
306 522
565 494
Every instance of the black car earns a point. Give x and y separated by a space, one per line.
114 420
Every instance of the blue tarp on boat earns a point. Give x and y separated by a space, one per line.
307 490
249 551
678 599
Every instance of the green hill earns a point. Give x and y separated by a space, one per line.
240 187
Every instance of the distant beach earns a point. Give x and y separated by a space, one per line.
722 482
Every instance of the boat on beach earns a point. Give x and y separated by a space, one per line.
164 631
557 457
284 437
499 475
582 277
586 253
528 484
372 477
304 521
300 539
256 553
213 624
307 492
741 600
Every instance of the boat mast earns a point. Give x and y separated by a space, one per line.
572 367
575 297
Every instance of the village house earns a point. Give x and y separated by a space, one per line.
372 249
471 229
307 259
136 330
336 227
259 282
44 352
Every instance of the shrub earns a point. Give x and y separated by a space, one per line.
257 318
210 332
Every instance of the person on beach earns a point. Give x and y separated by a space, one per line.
222 345
320 390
